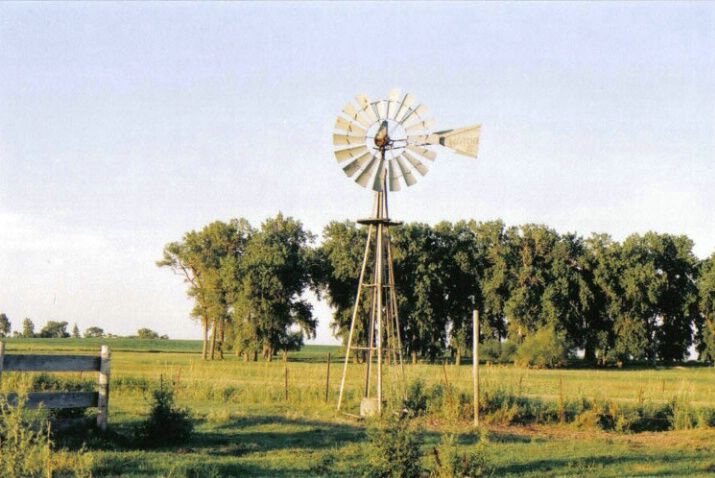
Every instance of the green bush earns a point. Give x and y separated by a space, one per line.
394 449
24 442
450 463
167 425
546 348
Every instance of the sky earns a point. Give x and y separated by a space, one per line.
125 125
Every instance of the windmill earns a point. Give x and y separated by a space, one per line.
382 144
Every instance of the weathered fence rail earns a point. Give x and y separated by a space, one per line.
63 363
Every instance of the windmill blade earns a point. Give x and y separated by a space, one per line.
404 108
393 178
380 107
365 174
419 112
345 154
422 139
345 140
405 170
345 125
464 141
379 176
353 166
364 103
355 115
425 153
421 126
421 168
393 103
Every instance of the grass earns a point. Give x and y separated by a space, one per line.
246 427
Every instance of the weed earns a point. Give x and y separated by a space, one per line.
450 463
24 442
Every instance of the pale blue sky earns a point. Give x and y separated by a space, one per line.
124 125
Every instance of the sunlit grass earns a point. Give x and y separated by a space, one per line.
245 425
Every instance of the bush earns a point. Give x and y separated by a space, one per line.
166 425
449 463
394 450
546 348
24 444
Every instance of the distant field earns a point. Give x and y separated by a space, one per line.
247 427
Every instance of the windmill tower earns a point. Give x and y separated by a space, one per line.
382 143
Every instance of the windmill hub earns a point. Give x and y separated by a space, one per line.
387 135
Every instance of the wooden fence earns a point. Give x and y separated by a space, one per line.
63 363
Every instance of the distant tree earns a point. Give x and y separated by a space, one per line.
75 332
5 325
28 328
706 323
94 332
54 330
147 334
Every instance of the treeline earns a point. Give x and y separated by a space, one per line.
542 296
58 330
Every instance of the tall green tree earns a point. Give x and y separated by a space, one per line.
28 328
275 274
209 261
419 257
706 321
494 259
5 325
54 330
658 304
336 271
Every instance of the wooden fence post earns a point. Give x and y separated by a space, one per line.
286 381
103 398
2 357
327 380
475 365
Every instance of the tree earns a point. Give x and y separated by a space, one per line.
93 332
147 334
655 300
54 330
5 325
28 328
274 274
336 272
210 262
706 322
75 332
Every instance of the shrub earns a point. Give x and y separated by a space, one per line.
394 449
24 444
546 348
167 425
450 463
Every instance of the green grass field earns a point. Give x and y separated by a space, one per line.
535 423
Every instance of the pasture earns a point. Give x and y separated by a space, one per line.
268 419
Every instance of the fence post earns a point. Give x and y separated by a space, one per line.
103 398
327 380
2 358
